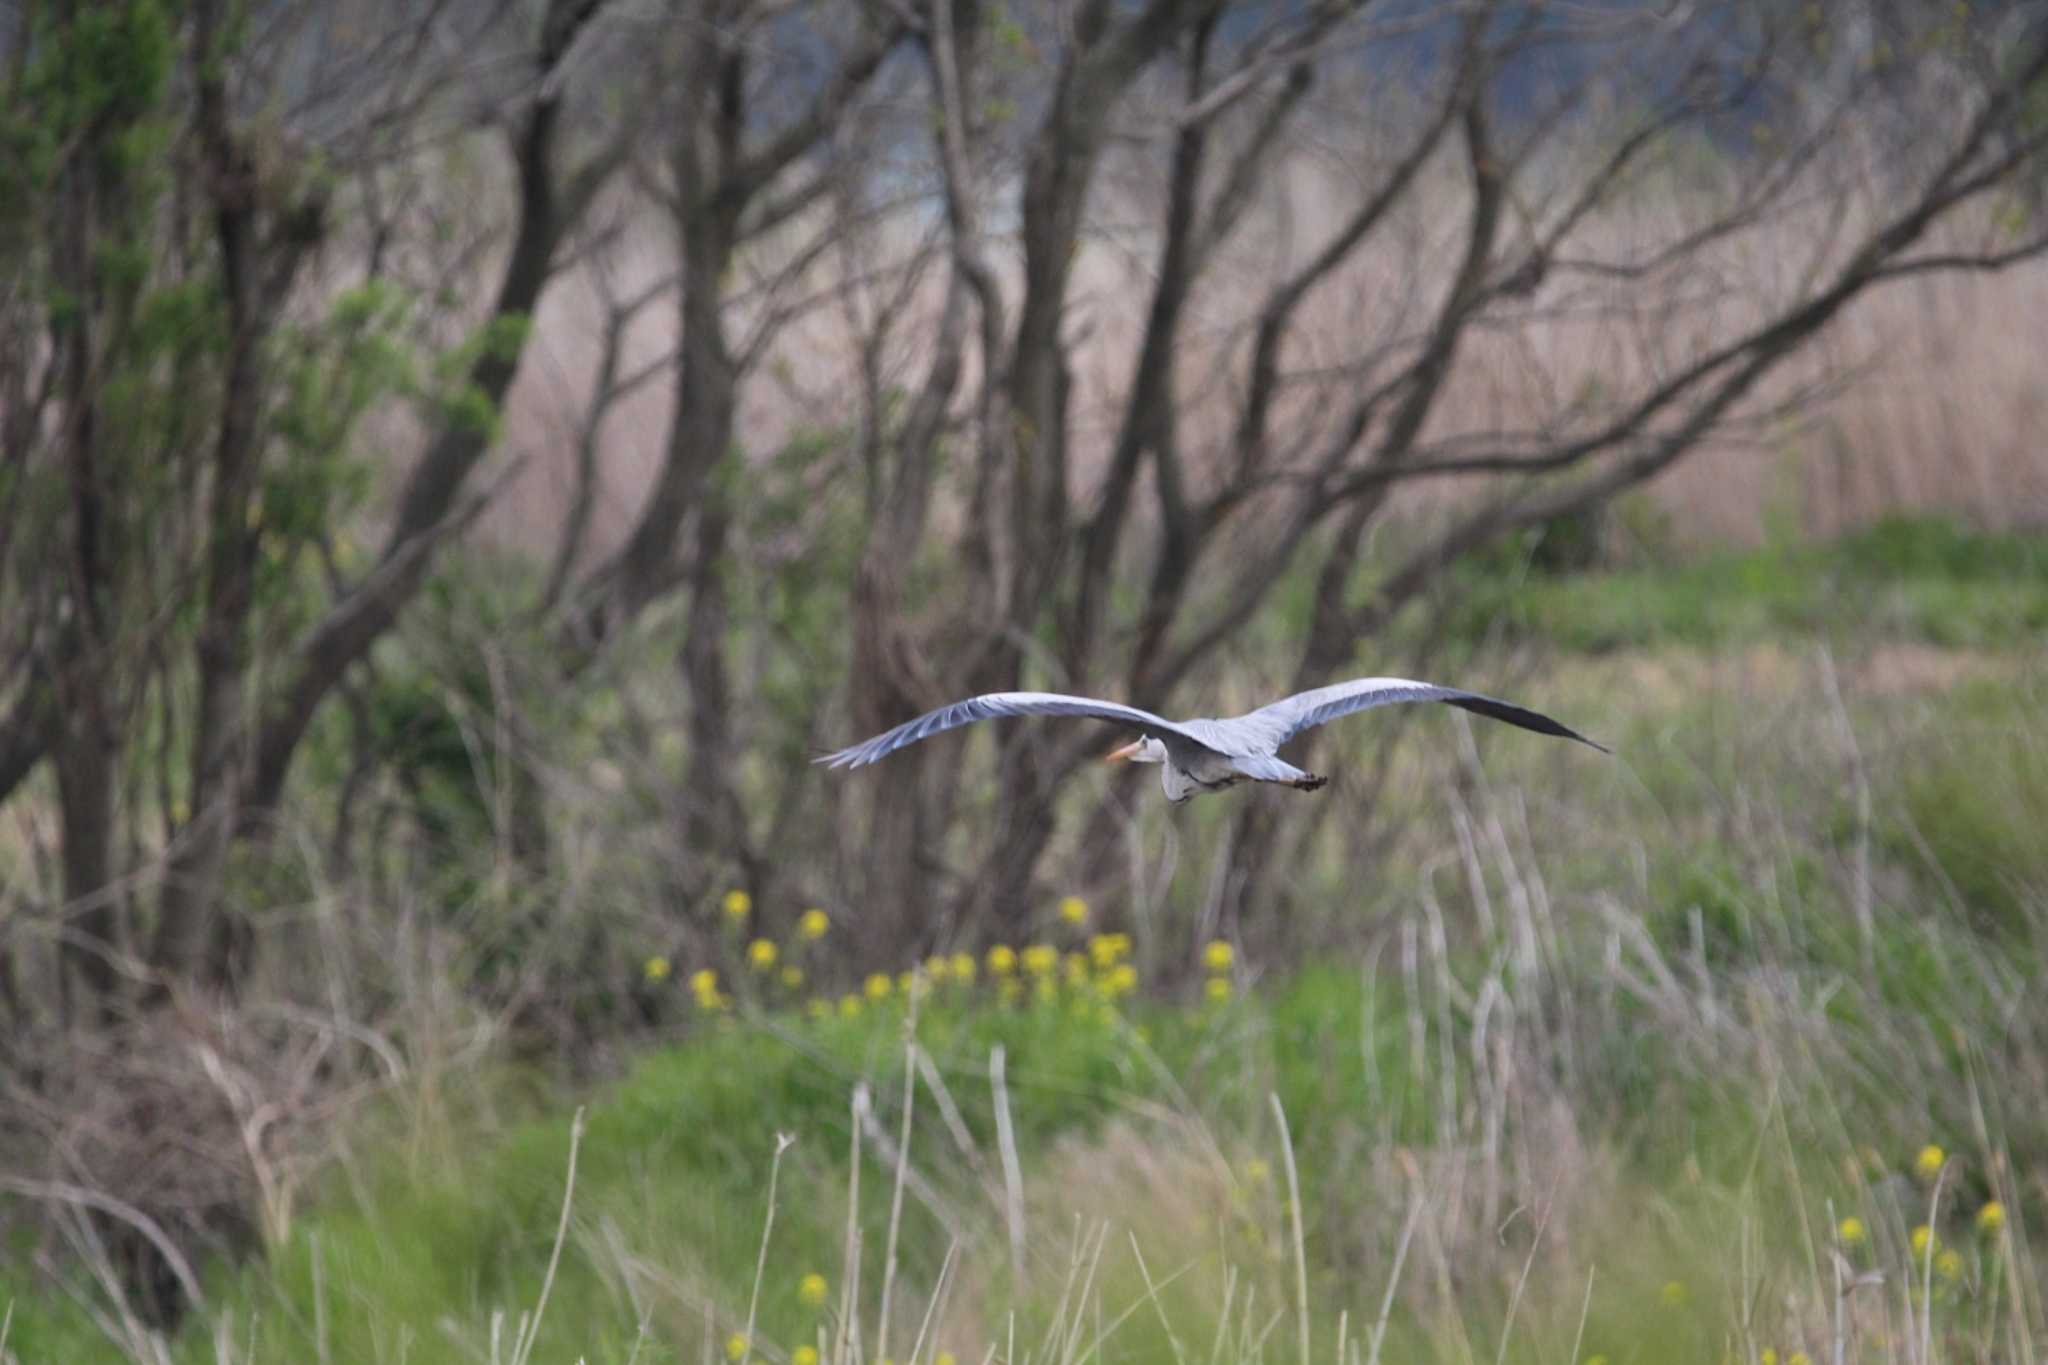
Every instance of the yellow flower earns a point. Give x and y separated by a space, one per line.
1257 1172
1074 910
761 954
1217 956
1673 1294
944 1358
1852 1232
704 982
736 1346
1923 1237
1927 1164
878 986
1991 1218
792 976
1799 1358
937 966
1106 950
1120 981
1217 989
738 905
811 1290
963 968
804 1355
1949 1266
1002 960
849 1006
656 968
1769 1357
812 924
1041 958
1077 968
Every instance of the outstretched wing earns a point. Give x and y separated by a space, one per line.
1305 710
994 704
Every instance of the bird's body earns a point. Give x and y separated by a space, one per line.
1206 755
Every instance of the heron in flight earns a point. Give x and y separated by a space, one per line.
1198 756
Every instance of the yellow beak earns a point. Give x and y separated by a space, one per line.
1123 755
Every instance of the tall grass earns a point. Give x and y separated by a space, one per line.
1640 1068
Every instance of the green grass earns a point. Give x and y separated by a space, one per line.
1911 579
1685 1013
1705 1162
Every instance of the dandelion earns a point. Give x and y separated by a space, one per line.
1852 1232
1218 956
1673 1294
1991 1219
738 905
1120 980
656 968
849 1007
812 924
1799 1358
1217 989
1074 910
878 986
1769 1357
1002 960
792 976
1949 1266
804 1355
963 968
761 954
811 1290
938 966
704 984
1040 958
1923 1238
1927 1165
945 1358
736 1346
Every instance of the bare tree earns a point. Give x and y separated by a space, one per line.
1290 458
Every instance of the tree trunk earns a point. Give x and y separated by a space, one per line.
85 761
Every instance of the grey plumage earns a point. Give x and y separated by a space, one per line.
1207 755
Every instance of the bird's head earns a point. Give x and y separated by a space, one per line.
1147 750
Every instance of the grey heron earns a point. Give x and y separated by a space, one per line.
1198 756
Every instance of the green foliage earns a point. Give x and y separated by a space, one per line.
109 65
793 584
